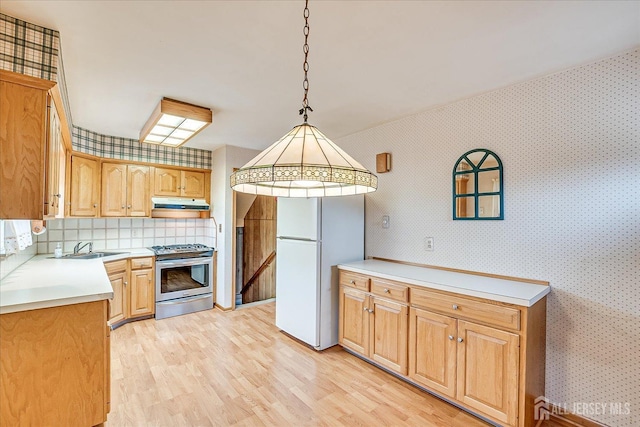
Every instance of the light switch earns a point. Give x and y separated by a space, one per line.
385 221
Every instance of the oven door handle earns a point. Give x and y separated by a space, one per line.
184 262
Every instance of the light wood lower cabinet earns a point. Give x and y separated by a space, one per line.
55 366
133 289
486 356
374 327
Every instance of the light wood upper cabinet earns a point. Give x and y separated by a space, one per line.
138 191
23 115
488 371
125 190
32 148
56 157
167 182
193 184
84 187
114 189
179 183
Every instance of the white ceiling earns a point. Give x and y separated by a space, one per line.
370 61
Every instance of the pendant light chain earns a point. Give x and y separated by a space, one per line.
305 66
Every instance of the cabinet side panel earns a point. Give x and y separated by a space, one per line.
52 366
23 113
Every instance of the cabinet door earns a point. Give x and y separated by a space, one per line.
118 305
389 331
354 320
142 301
114 189
432 350
167 182
53 166
193 184
138 191
23 112
85 187
488 371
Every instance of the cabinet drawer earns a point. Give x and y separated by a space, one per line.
138 263
116 266
354 280
388 289
496 315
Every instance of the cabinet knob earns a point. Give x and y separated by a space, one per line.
366 309
57 195
128 206
451 337
95 205
460 340
125 283
353 282
122 207
370 311
455 306
386 291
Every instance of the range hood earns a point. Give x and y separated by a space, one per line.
179 207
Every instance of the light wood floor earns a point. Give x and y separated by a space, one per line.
235 368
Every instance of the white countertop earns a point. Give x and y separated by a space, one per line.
44 281
509 291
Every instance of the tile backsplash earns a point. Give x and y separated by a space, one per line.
125 233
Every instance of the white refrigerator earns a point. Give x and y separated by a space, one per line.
314 235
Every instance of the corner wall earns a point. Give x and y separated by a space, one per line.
224 160
570 144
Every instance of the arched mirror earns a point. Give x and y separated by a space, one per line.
477 186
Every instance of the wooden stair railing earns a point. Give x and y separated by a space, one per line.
267 262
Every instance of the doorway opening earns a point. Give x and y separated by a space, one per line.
255 255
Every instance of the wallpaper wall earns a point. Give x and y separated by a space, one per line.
115 147
570 144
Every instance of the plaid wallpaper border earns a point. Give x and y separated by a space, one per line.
115 147
29 49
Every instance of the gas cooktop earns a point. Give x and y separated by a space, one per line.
190 250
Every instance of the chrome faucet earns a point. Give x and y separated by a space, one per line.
77 248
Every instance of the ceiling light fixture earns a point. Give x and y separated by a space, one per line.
304 162
175 122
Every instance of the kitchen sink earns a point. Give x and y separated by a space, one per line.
91 255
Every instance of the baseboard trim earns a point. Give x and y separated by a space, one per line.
558 419
457 270
219 307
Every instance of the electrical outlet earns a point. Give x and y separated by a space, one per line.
428 243
219 228
385 221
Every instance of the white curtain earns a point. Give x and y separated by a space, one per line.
15 235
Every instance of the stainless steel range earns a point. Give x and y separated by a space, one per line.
184 279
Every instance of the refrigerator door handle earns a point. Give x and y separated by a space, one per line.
295 238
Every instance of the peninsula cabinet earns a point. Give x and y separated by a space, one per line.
133 289
84 186
31 148
55 366
483 350
179 183
125 190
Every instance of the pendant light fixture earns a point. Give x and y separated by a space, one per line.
304 162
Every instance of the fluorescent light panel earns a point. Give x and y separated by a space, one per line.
174 122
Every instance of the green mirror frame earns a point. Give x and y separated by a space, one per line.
485 201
